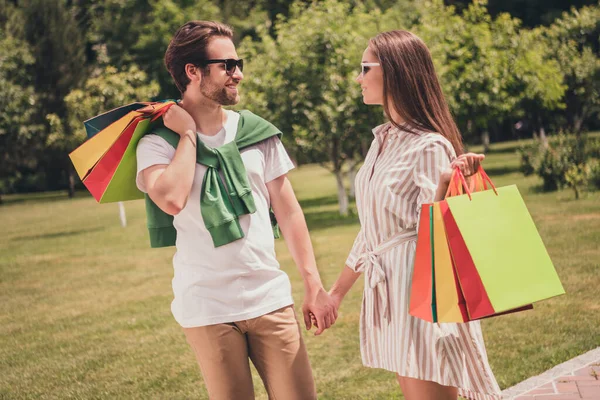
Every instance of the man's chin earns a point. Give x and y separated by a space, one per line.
231 101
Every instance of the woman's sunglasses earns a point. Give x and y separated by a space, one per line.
366 67
230 64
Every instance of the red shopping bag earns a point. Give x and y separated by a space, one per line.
470 287
422 300
99 177
105 150
473 292
460 295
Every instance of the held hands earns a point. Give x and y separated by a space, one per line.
467 163
337 300
178 120
319 309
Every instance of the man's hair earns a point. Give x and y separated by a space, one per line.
188 46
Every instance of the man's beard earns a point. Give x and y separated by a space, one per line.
219 95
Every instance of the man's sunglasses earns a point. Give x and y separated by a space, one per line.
230 64
366 67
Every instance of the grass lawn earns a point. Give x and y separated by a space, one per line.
84 303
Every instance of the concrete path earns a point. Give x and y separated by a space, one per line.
575 379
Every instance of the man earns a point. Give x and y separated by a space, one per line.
217 172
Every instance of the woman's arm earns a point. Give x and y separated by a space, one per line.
342 285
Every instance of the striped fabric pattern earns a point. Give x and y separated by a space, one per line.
390 188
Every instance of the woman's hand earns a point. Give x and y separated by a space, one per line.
318 309
337 301
467 163
179 121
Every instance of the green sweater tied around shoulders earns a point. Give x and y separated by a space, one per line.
221 203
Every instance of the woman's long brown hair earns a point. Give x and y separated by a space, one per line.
411 86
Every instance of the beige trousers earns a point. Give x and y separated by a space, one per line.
274 344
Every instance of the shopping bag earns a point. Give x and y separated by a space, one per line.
443 288
450 303
122 186
494 235
472 290
86 156
450 299
473 295
101 121
422 302
99 178
100 160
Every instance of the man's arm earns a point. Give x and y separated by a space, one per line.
169 185
295 232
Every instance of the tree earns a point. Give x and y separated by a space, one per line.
575 40
19 133
303 80
138 32
108 88
473 63
539 80
532 12
60 66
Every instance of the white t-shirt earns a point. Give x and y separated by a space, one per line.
242 279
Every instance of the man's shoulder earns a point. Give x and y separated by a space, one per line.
253 129
165 133
248 117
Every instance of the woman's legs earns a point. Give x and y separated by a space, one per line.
418 389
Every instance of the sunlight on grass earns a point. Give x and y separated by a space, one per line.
85 303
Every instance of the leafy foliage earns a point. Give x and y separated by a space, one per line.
567 161
302 58
19 104
575 41
108 89
304 80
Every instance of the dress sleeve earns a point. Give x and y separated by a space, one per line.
435 158
357 250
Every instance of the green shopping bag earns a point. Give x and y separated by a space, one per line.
506 248
107 160
120 187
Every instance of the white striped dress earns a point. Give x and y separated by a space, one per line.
390 188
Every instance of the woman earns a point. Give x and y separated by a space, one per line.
409 163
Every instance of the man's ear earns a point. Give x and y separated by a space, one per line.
193 73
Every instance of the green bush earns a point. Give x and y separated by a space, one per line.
576 177
567 161
528 157
594 172
592 148
552 169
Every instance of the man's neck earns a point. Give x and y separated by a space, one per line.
208 116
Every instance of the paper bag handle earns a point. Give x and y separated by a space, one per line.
457 173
